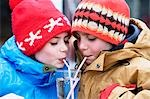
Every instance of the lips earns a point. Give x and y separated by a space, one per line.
88 56
61 59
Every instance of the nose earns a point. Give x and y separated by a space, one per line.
63 47
82 45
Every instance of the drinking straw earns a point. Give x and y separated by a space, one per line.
72 88
71 82
71 92
76 79
76 74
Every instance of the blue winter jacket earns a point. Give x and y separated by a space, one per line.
24 76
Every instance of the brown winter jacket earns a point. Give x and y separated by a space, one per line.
130 65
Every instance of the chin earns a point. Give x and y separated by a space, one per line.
88 62
60 65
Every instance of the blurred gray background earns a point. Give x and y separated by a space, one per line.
139 9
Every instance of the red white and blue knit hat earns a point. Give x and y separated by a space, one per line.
105 19
35 22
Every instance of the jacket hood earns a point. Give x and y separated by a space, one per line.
21 62
141 48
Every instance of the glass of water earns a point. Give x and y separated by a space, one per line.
67 84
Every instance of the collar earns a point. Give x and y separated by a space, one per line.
18 60
107 59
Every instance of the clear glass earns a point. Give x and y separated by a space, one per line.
65 82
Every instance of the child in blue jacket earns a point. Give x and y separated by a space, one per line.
39 45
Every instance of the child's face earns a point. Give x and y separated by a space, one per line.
54 51
90 46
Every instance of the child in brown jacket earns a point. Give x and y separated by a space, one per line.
117 49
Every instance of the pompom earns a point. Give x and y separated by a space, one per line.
13 3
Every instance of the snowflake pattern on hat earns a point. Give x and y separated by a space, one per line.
53 23
33 37
37 36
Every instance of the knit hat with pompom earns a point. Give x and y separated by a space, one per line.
105 19
35 22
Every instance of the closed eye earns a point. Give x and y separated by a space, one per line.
53 43
91 38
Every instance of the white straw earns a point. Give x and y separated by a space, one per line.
73 87
76 74
66 64
71 92
71 82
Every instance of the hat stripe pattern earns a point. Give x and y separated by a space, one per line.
32 37
101 20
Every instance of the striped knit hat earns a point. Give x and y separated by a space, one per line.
35 22
105 19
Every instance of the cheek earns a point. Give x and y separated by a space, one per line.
95 51
96 48
44 56
47 57
47 54
51 53
101 45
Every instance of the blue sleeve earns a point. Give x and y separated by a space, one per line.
5 77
